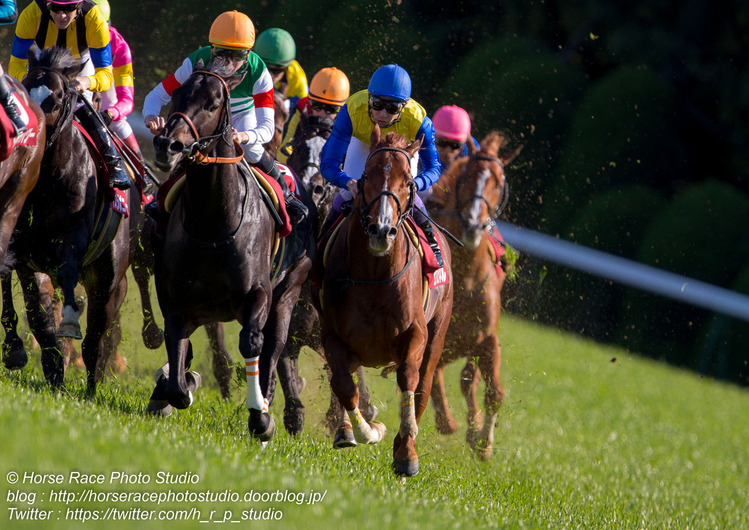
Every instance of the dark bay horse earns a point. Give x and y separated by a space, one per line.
214 263
468 197
372 303
69 231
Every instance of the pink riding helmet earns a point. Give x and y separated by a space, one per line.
64 2
452 122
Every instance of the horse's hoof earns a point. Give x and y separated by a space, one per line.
195 378
70 331
255 424
344 437
159 407
161 372
293 417
152 336
380 429
445 426
370 413
16 359
406 468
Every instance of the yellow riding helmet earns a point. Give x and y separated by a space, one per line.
232 29
330 85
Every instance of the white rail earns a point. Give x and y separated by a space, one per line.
626 271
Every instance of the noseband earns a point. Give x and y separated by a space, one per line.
66 114
363 211
203 144
494 211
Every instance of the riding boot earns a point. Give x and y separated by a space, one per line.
11 109
294 207
118 178
428 230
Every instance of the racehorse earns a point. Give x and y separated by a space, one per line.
214 263
372 309
468 197
18 176
69 231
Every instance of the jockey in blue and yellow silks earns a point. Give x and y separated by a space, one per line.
79 26
386 102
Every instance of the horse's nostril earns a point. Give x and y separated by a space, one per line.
318 190
176 147
372 230
392 231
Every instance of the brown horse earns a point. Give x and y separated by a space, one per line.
372 309
466 200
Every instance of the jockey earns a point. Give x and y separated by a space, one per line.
386 102
452 130
80 25
276 47
327 94
117 102
8 15
231 38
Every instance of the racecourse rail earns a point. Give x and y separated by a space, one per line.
626 271
601 264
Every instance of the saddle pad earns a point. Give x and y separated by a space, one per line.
435 274
7 140
289 177
285 228
120 203
498 247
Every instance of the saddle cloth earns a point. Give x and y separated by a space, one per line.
498 246
7 140
117 197
435 274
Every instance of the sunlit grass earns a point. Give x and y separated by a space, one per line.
589 436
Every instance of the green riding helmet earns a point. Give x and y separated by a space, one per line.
276 47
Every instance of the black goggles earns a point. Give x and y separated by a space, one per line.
325 107
276 70
452 144
227 53
64 8
390 106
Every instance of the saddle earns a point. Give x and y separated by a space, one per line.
7 140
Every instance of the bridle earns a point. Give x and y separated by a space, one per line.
494 211
403 213
65 115
205 144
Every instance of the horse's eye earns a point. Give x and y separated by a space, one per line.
213 108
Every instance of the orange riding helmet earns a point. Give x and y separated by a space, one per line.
331 86
232 29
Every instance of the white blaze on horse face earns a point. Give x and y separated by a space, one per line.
476 204
386 215
39 94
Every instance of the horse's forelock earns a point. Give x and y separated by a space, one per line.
393 139
58 58
491 143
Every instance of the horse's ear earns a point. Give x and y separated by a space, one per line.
472 150
71 72
415 146
200 65
374 139
510 156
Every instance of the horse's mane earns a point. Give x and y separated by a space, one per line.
58 58
219 67
393 139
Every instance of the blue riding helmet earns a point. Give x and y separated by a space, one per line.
392 82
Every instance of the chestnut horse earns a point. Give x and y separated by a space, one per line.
18 176
55 233
372 308
466 200
214 262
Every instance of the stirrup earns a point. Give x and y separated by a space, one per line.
118 178
296 209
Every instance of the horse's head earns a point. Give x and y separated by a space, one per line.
481 190
307 147
200 115
48 81
386 189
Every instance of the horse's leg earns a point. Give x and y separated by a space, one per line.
444 420
180 384
347 392
67 278
152 335
40 312
469 383
260 424
14 351
223 364
493 399
276 332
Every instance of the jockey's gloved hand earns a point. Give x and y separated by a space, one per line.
107 117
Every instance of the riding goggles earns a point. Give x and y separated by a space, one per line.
325 107
65 8
451 144
390 106
275 69
231 54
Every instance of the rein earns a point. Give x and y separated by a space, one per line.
207 143
66 114
363 211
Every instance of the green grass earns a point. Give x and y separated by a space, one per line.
582 441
